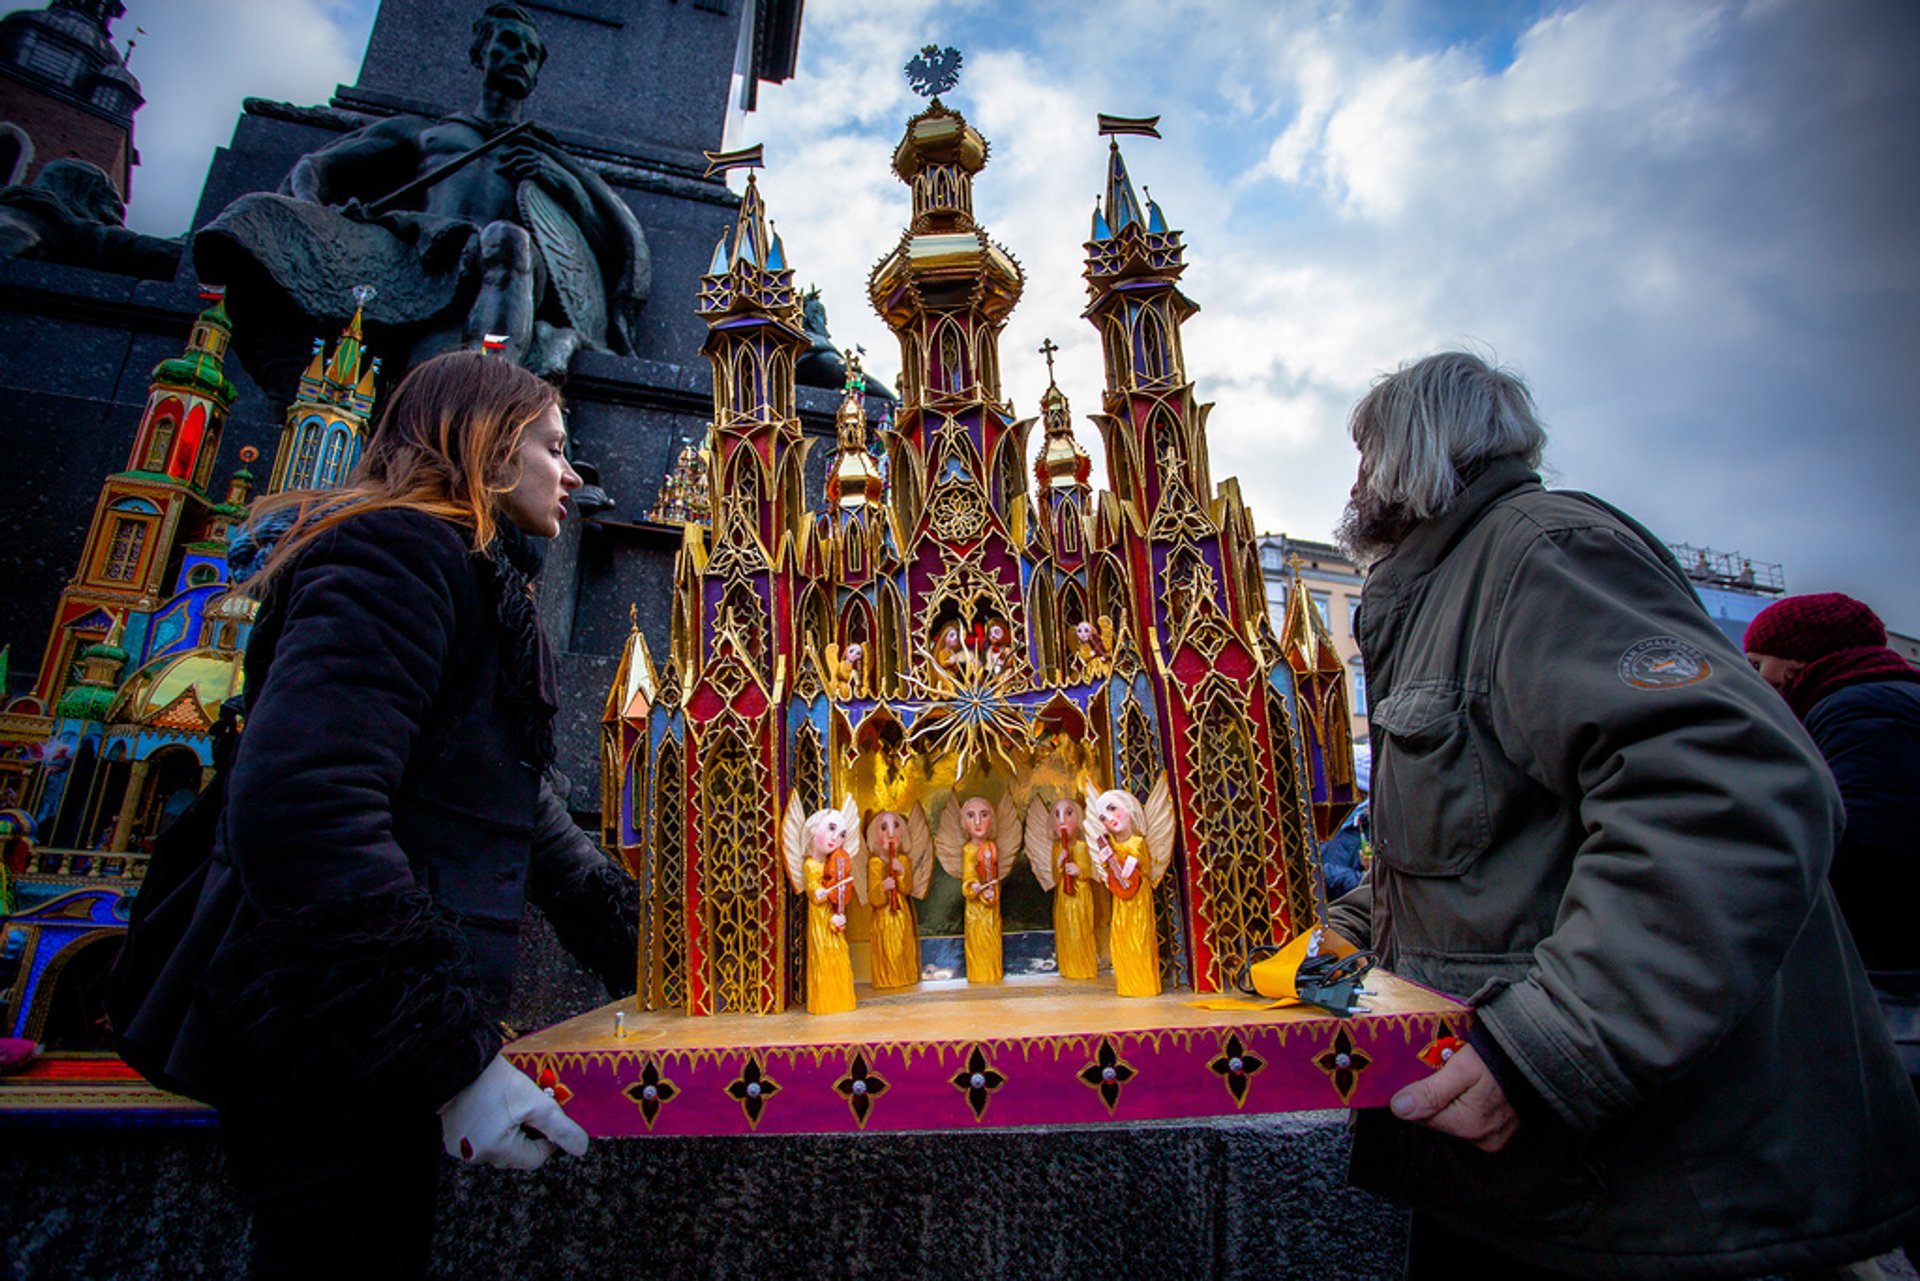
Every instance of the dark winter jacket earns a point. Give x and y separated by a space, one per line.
386 820
1594 821
1870 735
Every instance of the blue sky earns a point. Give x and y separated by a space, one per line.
1693 226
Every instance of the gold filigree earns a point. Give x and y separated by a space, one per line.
738 875
1228 847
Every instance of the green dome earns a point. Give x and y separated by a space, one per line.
199 372
85 702
104 649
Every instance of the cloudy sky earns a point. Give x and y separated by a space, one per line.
1694 227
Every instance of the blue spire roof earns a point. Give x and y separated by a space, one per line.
1156 222
1100 229
1123 207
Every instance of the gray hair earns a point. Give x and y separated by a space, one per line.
1425 424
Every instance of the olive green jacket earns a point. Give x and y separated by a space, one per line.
1596 823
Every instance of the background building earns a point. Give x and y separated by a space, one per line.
1332 584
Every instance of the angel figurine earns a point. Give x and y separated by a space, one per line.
846 671
821 849
899 868
1093 651
1057 852
1131 847
951 657
976 845
999 647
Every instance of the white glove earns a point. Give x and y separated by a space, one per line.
504 1119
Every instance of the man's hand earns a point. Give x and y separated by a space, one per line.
1461 1099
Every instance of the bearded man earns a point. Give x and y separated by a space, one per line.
1594 822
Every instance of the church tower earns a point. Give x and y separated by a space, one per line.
721 748
151 519
958 466
327 423
1187 571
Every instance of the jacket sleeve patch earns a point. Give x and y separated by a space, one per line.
1664 662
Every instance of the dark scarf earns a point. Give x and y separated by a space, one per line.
1855 665
512 562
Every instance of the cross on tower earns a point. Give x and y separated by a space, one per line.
1047 348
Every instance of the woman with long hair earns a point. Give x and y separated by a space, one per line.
339 992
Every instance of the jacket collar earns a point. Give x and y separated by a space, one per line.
1392 579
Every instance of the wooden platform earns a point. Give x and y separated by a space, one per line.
89 1091
950 1056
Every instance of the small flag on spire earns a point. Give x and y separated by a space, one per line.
495 343
1145 126
743 158
213 293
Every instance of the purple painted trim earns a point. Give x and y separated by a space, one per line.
1055 1080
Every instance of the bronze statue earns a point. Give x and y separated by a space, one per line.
72 214
464 231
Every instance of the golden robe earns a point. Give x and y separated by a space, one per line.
896 935
829 964
1136 948
982 925
1073 943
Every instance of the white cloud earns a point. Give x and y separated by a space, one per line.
199 59
1688 224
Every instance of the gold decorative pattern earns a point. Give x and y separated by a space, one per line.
1228 840
670 873
739 875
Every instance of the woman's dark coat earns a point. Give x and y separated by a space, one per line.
386 820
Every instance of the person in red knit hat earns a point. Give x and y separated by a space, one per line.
1827 655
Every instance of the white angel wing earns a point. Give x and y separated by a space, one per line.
948 840
1007 837
793 842
1090 818
1161 824
850 821
1040 840
920 850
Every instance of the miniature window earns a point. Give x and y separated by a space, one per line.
129 539
201 575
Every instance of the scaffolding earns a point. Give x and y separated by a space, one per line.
1730 570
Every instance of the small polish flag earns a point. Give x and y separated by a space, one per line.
495 343
213 293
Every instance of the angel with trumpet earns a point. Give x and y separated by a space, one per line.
977 844
1057 852
821 848
1131 846
899 868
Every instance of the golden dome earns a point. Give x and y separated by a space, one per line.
181 691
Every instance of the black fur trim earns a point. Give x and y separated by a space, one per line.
606 943
361 997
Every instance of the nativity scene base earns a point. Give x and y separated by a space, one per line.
952 1056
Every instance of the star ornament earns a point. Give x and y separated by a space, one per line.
549 1081
860 1087
1236 1067
1343 1062
1107 1073
978 1081
651 1092
752 1089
